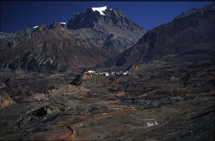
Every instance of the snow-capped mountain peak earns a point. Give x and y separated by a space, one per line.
100 9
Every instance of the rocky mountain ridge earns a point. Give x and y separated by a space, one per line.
55 51
112 31
105 31
93 18
188 38
104 37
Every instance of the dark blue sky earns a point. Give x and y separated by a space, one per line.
16 15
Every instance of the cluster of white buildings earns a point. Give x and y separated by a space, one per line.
111 73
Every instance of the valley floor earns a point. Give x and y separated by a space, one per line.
155 101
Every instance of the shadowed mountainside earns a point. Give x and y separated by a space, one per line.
188 38
56 50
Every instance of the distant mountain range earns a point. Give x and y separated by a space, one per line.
104 34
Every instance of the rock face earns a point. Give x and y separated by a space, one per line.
86 40
92 18
110 29
56 24
5 99
51 50
188 38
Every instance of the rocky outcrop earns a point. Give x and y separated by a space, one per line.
41 114
56 24
5 100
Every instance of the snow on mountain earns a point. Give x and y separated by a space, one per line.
62 22
35 27
100 9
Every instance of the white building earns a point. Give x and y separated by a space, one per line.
91 71
106 73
